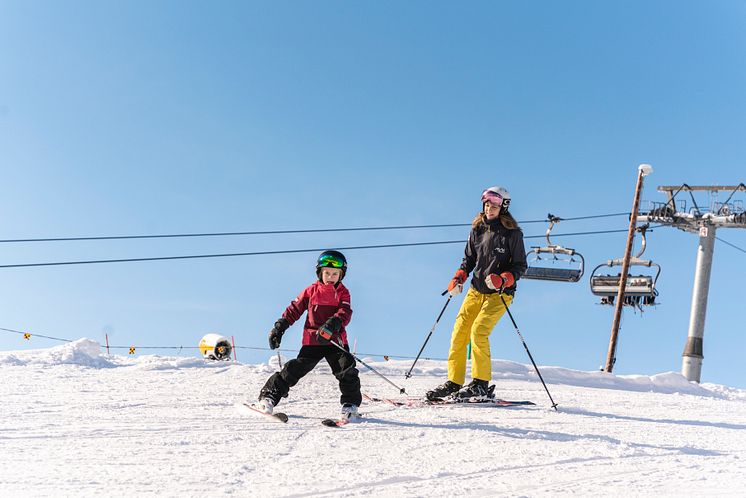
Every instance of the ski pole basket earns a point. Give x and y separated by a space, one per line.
560 264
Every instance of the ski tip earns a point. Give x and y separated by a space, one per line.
276 416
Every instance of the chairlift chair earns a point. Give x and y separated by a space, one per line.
639 290
564 264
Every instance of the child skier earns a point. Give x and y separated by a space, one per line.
328 304
496 254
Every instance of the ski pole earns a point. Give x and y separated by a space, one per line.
554 405
401 389
409 374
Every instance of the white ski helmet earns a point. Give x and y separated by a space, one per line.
215 347
497 195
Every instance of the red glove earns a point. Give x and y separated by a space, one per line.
456 284
500 282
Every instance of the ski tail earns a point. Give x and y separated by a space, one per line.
419 402
331 422
341 422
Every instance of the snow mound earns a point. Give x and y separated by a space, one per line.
156 362
664 383
726 392
83 352
87 353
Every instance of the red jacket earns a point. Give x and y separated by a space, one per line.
322 302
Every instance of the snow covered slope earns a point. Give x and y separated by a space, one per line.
76 422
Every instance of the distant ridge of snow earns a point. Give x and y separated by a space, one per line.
87 353
155 362
666 382
83 352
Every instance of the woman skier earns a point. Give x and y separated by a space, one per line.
496 254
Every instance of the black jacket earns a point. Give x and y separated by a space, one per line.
492 248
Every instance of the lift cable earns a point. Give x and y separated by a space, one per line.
732 245
275 232
288 251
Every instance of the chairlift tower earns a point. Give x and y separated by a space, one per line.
704 221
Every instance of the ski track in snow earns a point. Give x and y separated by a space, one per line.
76 422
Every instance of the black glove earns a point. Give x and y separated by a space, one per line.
328 331
275 335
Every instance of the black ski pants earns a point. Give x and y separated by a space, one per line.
343 368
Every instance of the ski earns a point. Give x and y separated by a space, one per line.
340 422
480 401
418 402
275 417
331 422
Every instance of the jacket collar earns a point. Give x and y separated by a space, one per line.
337 286
492 224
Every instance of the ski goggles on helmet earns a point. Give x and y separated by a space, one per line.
330 260
492 197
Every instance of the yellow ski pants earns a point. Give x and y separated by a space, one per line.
477 317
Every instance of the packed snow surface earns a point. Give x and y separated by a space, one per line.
79 422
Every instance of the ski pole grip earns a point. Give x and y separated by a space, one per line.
444 292
325 334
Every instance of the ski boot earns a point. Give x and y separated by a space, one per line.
266 405
477 390
442 391
349 412
268 399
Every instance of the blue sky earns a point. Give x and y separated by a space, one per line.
168 117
